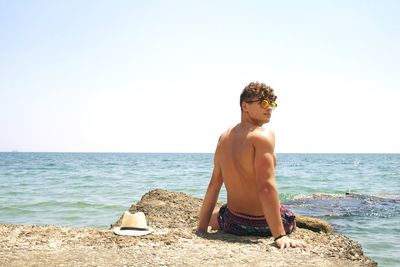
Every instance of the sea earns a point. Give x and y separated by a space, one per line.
94 189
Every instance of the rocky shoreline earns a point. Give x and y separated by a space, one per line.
172 216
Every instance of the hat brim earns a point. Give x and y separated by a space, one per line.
118 231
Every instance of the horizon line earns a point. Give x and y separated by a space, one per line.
181 152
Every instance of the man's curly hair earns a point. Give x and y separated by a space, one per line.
257 90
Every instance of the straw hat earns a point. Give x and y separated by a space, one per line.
133 225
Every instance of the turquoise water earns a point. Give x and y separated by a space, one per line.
94 189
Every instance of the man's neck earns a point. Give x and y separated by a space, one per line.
247 122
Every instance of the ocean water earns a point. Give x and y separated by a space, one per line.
94 189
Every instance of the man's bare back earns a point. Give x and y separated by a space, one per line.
236 160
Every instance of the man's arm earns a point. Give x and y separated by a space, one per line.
264 166
211 196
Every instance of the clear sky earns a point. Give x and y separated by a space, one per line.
165 76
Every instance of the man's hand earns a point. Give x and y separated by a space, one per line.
286 242
201 233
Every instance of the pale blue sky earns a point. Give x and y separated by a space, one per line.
165 76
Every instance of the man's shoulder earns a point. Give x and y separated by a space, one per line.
226 133
223 137
263 133
263 137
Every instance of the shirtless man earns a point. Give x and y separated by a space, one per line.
245 162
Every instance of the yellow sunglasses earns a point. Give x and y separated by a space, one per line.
264 103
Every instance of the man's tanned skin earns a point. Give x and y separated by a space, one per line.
245 161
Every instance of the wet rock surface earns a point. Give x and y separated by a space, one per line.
172 216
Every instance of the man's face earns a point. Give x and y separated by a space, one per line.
259 110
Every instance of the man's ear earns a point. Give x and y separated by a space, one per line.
245 107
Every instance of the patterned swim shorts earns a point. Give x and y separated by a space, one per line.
253 225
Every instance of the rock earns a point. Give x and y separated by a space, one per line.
176 210
172 243
313 224
167 209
